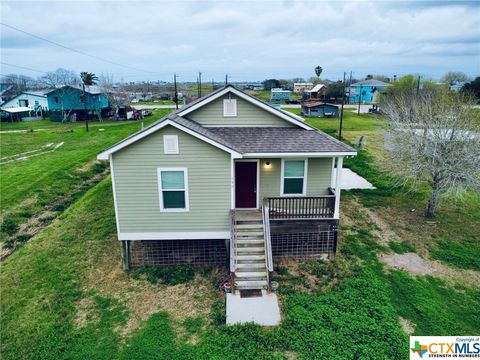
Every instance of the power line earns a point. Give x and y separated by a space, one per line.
75 50
23 67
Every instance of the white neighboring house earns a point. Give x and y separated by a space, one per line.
28 105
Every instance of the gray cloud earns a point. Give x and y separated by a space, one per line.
248 40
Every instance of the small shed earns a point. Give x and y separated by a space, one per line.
317 92
319 109
280 94
19 113
299 88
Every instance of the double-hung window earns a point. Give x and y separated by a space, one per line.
294 177
173 189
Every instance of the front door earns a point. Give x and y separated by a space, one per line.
245 184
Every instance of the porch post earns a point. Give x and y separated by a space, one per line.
332 182
125 253
232 183
336 214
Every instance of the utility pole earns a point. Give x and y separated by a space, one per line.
175 97
213 85
341 113
199 84
85 105
226 79
360 99
418 85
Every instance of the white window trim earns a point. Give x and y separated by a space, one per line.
165 146
305 176
160 190
225 108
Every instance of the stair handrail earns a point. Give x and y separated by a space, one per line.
233 243
266 232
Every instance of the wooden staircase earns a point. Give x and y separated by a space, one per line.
249 255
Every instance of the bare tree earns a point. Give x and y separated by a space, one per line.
455 77
434 138
59 79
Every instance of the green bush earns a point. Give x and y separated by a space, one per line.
402 247
100 166
23 237
9 225
170 275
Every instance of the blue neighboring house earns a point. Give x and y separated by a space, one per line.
67 103
319 109
280 94
365 91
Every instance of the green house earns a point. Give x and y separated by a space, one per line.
227 180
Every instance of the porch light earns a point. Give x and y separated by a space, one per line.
267 163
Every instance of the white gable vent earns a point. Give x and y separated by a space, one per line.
170 144
229 107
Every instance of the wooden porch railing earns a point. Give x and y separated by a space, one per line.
301 207
233 245
266 232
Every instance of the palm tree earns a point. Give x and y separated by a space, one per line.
87 79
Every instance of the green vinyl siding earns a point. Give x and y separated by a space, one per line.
137 189
248 114
318 179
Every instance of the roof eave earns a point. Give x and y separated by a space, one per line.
105 155
326 154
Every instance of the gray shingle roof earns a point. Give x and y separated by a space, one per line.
255 139
266 140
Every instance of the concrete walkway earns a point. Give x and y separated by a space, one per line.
351 180
262 310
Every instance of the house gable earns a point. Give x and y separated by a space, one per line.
247 114
249 111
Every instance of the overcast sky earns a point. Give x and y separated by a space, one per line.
248 40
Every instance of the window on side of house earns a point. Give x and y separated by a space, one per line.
170 144
173 189
294 177
55 99
230 107
82 99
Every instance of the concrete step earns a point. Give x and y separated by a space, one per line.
250 241
251 274
244 285
250 249
242 257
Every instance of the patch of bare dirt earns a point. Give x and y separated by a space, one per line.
410 262
411 226
85 310
142 299
407 325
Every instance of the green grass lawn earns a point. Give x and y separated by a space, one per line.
65 296
156 102
28 185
